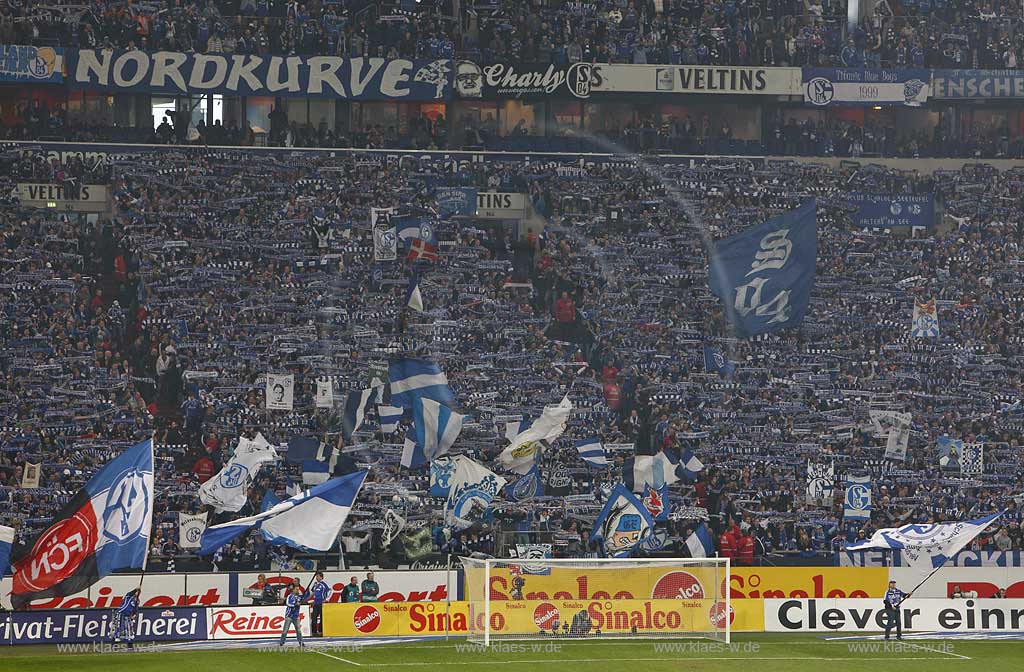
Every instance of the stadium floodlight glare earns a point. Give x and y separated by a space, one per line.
597 598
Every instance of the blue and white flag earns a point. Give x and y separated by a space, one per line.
857 504
6 544
592 452
355 410
309 521
537 553
302 448
104 527
949 452
526 447
270 500
228 489
385 238
390 417
715 361
413 297
764 275
866 86
473 488
623 524
412 228
435 428
661 469
527 486
412 378
441 472
455 201
928 545
972 459
700 544
315 472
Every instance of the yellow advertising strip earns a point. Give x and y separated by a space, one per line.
685 582
530 617
805 582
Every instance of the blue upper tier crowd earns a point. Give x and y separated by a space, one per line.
913 33
219 267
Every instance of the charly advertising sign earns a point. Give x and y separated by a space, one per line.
584 80
93 625
40 65
173 73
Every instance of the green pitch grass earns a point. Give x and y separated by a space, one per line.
747 653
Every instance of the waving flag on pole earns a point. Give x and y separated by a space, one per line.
715 361
473 488
105 527
309 521
525 448
227 490
411 378
413 297
700 544
436 428
389 416
664 468
764 275
623 524
355 410
592 452
928 545
6 544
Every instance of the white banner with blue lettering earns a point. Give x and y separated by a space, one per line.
173 73
764 275
857 86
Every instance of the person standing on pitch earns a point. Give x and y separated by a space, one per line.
894 597
350 593
124 618
321 592
292 605
370 589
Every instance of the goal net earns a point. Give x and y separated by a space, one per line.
597 598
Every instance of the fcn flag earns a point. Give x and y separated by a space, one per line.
105 527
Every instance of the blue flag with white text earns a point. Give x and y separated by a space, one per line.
764 275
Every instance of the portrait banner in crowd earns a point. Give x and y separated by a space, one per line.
385 237
280 392
949 452
764 275
30 476
173 73
857 503
31 65
948 84
857 86
324 393
892 211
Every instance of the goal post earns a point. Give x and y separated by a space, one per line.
606 598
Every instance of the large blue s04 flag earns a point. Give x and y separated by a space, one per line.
765 274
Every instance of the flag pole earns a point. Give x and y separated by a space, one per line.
930 575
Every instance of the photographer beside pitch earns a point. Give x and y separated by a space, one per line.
894 597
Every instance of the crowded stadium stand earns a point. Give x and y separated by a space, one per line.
475 277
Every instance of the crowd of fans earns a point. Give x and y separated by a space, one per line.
922 33
215 269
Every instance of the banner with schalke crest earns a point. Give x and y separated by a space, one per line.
527 486
857 504
473 488
926 320
624 523
820 481
868 87
527 552
190 529
385 237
